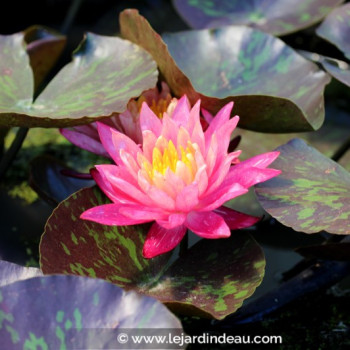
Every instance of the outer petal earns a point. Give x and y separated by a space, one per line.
221 195
260 161
108 214
172 221
236 220
220 119
160 240
250 176
84 141
207 225
187 199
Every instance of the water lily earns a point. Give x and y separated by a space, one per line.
179 178
86 136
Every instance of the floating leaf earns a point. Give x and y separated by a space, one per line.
336 28
70 312
10 273
312 193
212 279
275 17
104 74
337 69
44 47
47 179
240 64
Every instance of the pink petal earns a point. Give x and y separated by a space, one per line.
181 112
220 196
108 214
131 126
236 220
142 213
159 240
187 199
149 141
169 129
91 144
260 161
173 220
113 141
108 189
207 115
149 121
248 177
224 134
207 225
161 199
194 117
220 119
122 187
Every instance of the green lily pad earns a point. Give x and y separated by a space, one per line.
312 193
212 279
44 47
71 312
10 273
104 74
240 64
336 28
275 17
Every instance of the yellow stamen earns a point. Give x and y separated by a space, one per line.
169 159
158 107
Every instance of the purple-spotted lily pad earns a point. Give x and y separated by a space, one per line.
71 312
336 28
312 193
104 74
212 279
44 47
50 179
10 273
275 17
240 64
337 69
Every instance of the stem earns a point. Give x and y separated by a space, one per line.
10 154
184 245
73 10
341 150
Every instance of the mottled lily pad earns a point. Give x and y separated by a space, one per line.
212 279
10 272
336 28
275 17
44 47
104 74
240 64
71 312
312 193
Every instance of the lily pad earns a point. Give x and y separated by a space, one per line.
337 69
336 28
71 312
104 74
48 180
240 64
275 17
212 279
10 273
312 193
44 47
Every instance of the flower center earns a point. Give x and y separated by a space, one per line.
182 163
158 107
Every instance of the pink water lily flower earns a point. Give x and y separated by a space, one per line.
86 136
179 178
